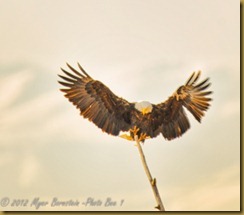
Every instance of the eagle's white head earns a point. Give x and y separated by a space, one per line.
144 107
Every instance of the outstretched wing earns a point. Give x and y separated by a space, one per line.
96 101
193 97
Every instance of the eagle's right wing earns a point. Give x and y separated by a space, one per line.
96 101
193 97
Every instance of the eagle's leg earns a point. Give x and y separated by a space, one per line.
143 137
134 131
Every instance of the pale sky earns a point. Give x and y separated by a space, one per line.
142 50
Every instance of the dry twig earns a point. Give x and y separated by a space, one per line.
152 181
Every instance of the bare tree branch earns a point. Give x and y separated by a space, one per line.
152 181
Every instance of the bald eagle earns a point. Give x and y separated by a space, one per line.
114 115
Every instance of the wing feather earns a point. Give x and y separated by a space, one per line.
69 74
95 101
66 79
193 97
76 72
65 84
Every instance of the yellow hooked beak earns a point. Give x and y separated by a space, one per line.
145 111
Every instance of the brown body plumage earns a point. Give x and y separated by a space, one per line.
113 114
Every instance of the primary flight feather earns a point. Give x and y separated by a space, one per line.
113 114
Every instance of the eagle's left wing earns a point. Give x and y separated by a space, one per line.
96 101
193 97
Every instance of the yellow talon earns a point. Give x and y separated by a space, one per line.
143 136
134 130
127 137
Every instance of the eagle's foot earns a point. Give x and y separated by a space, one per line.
143 137
134 131
127 137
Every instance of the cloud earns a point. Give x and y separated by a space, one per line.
230 108
12 86
220 192
29 169
136 56
6 158
25 117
